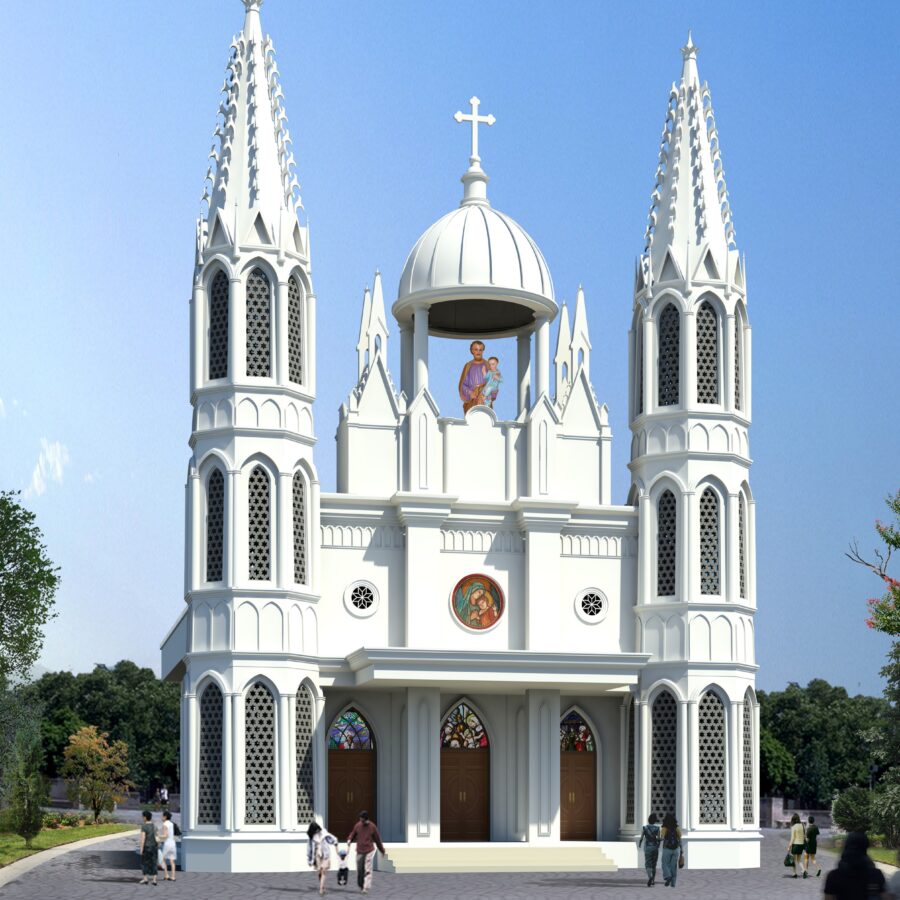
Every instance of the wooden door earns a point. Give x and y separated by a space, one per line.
465 794
351 788
578 795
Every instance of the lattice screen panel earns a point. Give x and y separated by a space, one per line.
707 354
218 327
259 525
711 754
709 542
669 356
299 498
304 743
629 784
738 328
215 521
259 325
666 544
259 751
741 545
664 754
295 333
748 760
209 770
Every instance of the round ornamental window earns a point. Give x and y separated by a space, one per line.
591 605
361 599
477 602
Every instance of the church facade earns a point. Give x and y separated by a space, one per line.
469 639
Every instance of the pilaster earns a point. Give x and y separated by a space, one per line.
280 355
542 357
642 770
420 348
193 730
735 807
238 760
423 768
685 784
691 765
523 371
227 762
543 765
282 779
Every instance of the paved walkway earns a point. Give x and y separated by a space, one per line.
111 871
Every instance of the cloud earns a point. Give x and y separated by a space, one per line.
90 477
2 409
54 457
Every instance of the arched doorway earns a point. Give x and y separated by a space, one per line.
577 779
351 772
465 777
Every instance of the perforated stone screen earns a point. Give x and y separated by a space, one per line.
711 756
707 354
218 327
639 340
741 545
629 784
215 519
664 754
669 356
709 542
209 770
259 324
304 738
299 499
295 333
748 760
258 525
259 756
666 544
737 362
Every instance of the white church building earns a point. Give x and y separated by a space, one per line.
469 638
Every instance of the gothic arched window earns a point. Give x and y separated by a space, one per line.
218 327
666 544
707 354
209 769
463 730
738 335
259 525
295 333
711 754
575 735
663 753
215 522
299 501
709 542
303 739
747 757
259 756
742 544
669 356
350 731
259 324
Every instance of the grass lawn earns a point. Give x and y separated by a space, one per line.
883 855
12 847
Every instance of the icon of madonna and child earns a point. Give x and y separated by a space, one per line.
477 602
479 383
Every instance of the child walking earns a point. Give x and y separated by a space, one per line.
343 868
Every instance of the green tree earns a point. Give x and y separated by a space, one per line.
776 765
852 809
25 788
28 584
97 770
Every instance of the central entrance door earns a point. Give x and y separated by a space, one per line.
577 780
465 777
351 773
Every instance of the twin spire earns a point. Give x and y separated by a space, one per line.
573 346
373 328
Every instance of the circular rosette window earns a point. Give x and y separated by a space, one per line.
361 599
477 602
591 606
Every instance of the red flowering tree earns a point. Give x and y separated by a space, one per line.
884 611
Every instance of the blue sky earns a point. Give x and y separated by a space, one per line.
108 115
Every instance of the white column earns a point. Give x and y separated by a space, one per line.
649 365
227 765
198 336
748 369
683 783
689 361
193 732
693 765
750 561
727 357
523 371
282 779
646 589
420 349
290 822
542 357
195 536
309 344
735 806
406 359
280 356
732 552
186 748
543 765
642 770
623 762
237 760
755 745
423 768
687 551
230 563
237 331
284 530
313 538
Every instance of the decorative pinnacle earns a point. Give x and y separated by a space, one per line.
475 119
690 50
252 5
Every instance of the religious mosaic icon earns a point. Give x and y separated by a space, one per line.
574 734
349 731
463 730
477 602
479 383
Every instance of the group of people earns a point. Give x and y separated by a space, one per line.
804 839
668 837
479 383
157 848
322 843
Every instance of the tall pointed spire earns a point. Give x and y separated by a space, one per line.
252 195
689 210
363 343
580 344
378 329
562 358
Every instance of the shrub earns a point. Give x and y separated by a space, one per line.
886 813
852 809
71 820
52 820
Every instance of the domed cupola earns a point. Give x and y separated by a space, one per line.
477 270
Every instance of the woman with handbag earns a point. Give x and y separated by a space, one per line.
797 843
672 856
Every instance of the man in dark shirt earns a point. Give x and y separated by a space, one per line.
367 838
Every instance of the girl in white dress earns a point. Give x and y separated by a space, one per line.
167 833
318 851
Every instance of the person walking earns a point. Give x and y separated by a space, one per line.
167 833
812 844
650 839
797 843
367 838
149 849
318 851
671 849
856 876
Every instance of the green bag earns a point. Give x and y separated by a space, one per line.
789 861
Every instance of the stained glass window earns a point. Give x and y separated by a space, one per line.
350 731
463 730
574 734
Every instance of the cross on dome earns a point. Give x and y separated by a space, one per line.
475 180
476 120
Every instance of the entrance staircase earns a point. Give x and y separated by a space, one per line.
571 856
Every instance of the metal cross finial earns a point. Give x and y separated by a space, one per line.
475 119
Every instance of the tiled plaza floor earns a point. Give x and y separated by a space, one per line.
110 871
